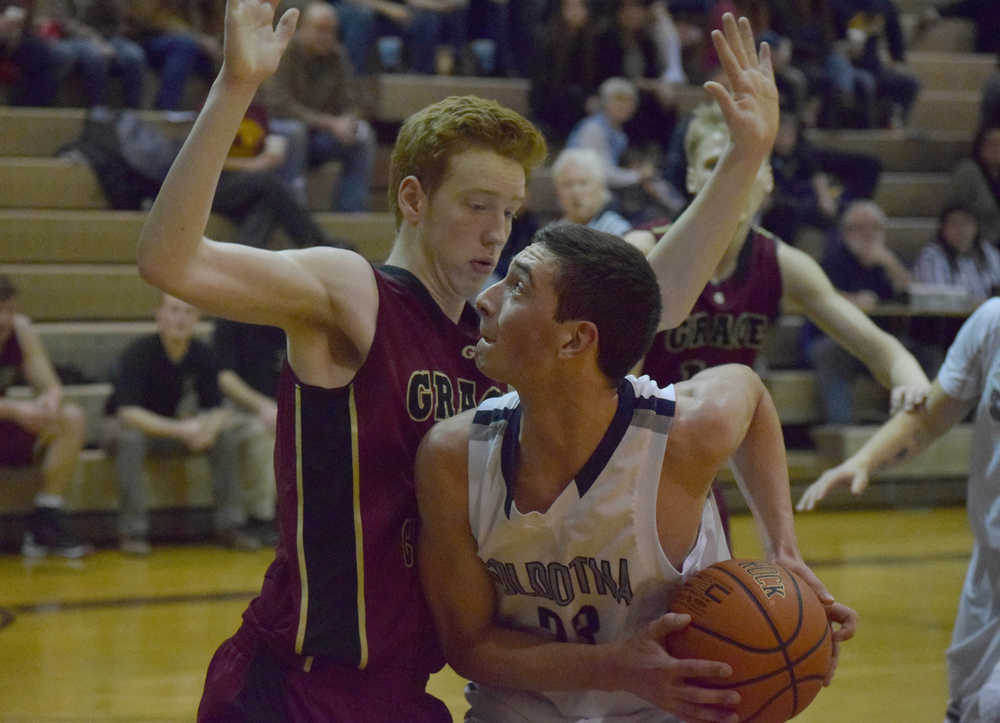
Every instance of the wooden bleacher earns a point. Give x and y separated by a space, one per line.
73 259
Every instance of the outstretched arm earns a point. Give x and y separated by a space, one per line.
902 437
463 601
727 412
688 253
886 358
298 288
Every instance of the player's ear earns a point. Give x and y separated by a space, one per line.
411 199
579 337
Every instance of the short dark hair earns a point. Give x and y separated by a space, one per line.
603 279
7 288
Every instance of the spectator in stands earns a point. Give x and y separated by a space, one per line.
976 180
630 47
865 272
564 69
28 63
967 383
166 400
757 274
250 357
436 35
640 189
959 256
810 28
315 84
960 259
870 27
363 24
93 37
811 184
43 427
179 39
584 197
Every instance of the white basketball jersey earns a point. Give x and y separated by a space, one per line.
590 568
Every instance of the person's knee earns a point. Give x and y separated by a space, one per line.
72 421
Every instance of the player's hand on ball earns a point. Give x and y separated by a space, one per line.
650 672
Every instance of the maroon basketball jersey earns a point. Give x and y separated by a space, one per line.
11 361
343 586
729 322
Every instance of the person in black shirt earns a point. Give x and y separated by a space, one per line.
167 400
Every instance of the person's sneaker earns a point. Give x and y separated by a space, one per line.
238 540
138 546
47 535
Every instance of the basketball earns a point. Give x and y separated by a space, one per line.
768 624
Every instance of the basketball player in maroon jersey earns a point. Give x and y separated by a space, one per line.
734 313
340 630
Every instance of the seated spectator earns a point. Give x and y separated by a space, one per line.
810 29
363 25
436 35
869 28
866 272
603 132
975 182
28 63
315 84
564 69
584 197
178 42
166 400
959 256
93 37
43 429
812 184
250 358
960 259
630 47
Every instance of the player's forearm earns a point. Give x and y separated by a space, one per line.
761 470
687 254
518 660
176 223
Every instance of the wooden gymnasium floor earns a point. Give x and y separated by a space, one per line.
123 639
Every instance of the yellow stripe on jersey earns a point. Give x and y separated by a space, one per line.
299 522
358 535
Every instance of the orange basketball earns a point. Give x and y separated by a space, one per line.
768 624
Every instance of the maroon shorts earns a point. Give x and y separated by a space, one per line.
247 682
17 445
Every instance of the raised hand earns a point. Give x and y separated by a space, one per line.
253 45
750 104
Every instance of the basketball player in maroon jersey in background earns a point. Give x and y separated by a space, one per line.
734 314
340 630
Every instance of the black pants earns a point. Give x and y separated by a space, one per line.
258 202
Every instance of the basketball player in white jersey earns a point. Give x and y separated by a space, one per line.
556 521
968 379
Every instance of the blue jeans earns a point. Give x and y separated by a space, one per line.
429 29
358 159
128 61
176 56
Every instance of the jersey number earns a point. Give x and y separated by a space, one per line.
586 623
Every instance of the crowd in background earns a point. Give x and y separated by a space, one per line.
604 80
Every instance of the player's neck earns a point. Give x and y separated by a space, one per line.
557 440
727 264
450 302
